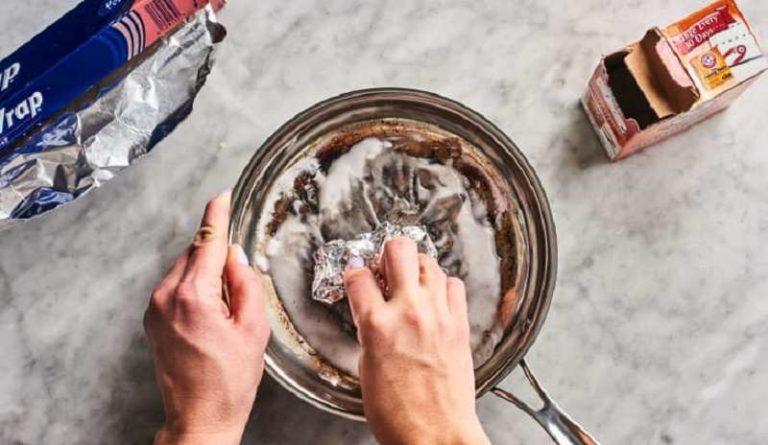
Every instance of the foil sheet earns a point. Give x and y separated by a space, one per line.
88 144
331 258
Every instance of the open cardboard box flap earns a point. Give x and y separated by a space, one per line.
672 79
659 87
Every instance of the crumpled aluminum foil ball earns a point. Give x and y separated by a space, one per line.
331 258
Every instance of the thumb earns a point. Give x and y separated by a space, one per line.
246 293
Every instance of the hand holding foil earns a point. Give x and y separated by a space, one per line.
331 259
415 366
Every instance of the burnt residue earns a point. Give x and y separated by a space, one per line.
413 140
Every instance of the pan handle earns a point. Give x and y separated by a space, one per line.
562 429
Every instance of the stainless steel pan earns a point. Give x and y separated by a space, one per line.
289 362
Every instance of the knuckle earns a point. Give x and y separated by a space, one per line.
187 303
156 307
186 295
415 318
375 321
444 323
156 300
185 290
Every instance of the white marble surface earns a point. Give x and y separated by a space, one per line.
658 333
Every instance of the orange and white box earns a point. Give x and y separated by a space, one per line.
672 78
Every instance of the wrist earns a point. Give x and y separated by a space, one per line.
464 432
475 435
469 433
170 436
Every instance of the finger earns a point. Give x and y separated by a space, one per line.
209 251
159 299
246 293
433 278
401 263
457 299
362 290
174 275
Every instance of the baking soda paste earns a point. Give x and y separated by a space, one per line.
395 171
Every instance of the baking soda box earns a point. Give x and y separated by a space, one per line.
672 78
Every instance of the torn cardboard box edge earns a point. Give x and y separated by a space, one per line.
643 93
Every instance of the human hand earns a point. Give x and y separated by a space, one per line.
416 370
209 356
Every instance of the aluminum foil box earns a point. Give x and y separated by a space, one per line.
112 121
73 54
673 78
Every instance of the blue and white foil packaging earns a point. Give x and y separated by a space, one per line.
109 126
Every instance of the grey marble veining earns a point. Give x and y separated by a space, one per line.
658 333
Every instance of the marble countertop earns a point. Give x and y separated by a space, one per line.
658 333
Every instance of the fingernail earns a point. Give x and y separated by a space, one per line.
355 262
242 258
226 193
